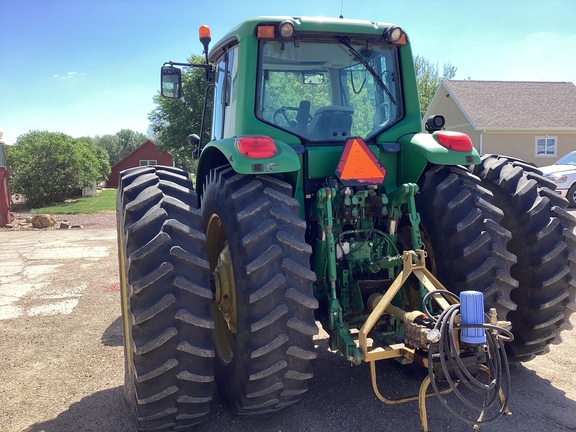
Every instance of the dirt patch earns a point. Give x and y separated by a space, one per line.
62 367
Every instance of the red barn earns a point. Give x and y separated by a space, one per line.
146 154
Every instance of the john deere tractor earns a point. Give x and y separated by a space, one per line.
320 199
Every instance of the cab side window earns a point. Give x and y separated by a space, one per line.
225 90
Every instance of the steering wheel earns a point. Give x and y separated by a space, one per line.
282 118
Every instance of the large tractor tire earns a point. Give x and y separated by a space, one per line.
264 306
166 300
461 232
544 242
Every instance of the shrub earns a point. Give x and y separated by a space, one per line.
48 167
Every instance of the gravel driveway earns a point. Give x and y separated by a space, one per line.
61 356
86 221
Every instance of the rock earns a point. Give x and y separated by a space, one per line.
76 227
9 226
43 221
64 225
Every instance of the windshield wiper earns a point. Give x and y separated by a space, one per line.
367 66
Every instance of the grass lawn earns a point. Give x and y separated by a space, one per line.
104 202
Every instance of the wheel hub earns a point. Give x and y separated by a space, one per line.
225 289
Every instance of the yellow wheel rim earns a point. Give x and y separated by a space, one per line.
224 288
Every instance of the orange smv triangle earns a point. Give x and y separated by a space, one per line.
358 165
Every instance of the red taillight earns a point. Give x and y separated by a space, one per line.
456 141
256 146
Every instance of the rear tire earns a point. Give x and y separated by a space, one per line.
466 244
263 360
544 242
165 299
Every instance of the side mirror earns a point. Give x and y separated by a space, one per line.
171 82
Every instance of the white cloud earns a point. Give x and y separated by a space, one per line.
69 75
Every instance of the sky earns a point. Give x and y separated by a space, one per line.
92 67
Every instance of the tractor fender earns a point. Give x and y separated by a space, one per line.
225 152
420 149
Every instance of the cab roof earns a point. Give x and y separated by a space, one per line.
339 26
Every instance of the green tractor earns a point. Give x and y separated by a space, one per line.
320 199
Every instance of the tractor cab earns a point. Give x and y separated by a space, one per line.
328 88
309 91
289 79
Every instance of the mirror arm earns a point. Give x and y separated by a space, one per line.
171 63
208 88
206 67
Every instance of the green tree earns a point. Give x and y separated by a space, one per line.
130 140
174 119
429 79
111 144
48 167
120 144
101 154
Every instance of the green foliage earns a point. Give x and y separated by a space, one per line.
174 119
119 145
48 167
129 141
429 79
111 144
102 156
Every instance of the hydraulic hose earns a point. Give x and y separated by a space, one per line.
446 348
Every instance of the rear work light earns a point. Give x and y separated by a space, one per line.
256 146
286 29
395 35
456 141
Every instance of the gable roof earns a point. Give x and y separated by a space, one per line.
515 104
139 149
146 151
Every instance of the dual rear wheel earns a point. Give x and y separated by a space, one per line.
502 230
220 294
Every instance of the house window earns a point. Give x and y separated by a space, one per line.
148 162
545 146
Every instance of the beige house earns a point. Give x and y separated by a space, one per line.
533 121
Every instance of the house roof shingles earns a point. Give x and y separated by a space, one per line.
516 104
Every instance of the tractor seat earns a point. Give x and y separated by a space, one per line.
332 122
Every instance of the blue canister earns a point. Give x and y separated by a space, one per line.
472 312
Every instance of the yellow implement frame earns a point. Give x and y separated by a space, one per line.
413 263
